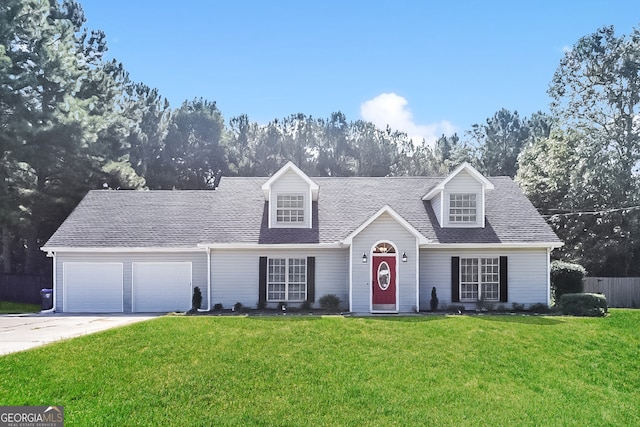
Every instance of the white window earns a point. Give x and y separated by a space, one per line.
287 279
469 279
490 279
277 280
290 208
479 277
462 208
297 284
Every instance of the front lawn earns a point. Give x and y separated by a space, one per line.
302 370
8 307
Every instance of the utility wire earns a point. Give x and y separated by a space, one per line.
600 212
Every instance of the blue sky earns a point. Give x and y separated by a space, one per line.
420 67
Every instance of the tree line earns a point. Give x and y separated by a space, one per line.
71 121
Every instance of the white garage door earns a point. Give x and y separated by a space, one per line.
161 287
92 287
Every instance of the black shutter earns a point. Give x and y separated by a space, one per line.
503 279
455 279
311 279
262 280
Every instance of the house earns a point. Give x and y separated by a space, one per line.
379 244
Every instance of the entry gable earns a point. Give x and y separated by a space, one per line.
422 240
290 194
458 201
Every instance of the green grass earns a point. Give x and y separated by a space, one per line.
432 370
7 307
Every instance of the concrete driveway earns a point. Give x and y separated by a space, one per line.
22 332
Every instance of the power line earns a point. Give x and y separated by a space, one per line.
600 212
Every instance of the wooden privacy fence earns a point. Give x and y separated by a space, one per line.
622 292
23 288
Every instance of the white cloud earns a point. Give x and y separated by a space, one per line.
392 110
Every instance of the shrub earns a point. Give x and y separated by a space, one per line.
196 299
217 306
456 308
566 278
517 306
237 306
330 302
434 299
306 305
539 307
483 305
584 304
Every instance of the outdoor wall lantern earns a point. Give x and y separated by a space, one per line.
364 258
404 257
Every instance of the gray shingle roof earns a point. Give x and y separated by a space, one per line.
236 212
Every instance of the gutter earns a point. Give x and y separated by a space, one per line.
265 246
506 245
118 249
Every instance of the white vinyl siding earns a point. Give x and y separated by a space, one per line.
231 284
527 283
92 287
436 205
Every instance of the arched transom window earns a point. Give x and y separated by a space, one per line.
384 248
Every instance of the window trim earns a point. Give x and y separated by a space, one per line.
289 264
462 282
482 262
300 216
452 217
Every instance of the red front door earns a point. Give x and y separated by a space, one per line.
384 283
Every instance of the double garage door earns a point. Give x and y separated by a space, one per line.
99 287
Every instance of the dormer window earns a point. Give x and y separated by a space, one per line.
462 208
290 208
458 201
290 195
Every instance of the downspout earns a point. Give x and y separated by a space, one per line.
417 278
208 280
54 281
549 276
351 277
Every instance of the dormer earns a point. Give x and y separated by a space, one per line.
290 193
459 200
